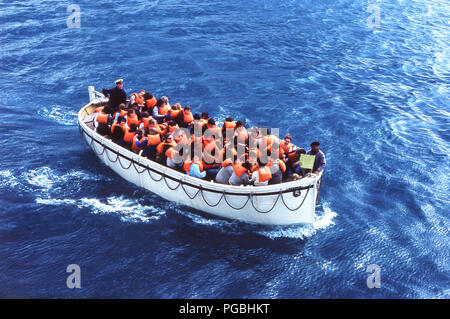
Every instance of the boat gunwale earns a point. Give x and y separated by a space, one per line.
266 190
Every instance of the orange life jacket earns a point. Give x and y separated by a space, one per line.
187 166
230 125
173 128
242 134
264 173
160 148
293 157
102 118
187 118
174 113
153 139
139 100
150 102
124 127
132 119
214 131
286 148
227 162
208 151
164 109
100 108
145 120
239 169
129 136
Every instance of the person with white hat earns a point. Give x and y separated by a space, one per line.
117 95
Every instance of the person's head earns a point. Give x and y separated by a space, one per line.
139 132
172 123
196 158
141 92
196 116
133 127
247 165
119 83
169 138
205 115
122 106
301 151
152 123
148 96
176 106
211 122
121 120
315 147
145 114
239 124
255 131
187 109
165 100
229 119
287 138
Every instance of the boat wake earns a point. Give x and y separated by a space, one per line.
58 113
324 219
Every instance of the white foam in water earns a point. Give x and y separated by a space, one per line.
129 209
60 114
7 179
55 202
302 231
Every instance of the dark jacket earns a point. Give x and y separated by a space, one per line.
116 97
319 162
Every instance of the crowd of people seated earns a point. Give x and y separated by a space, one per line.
193 143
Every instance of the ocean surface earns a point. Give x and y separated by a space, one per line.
374 92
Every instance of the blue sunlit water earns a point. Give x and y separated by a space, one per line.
376 98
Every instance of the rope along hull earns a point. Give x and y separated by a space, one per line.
280 204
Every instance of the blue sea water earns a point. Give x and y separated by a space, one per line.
377 98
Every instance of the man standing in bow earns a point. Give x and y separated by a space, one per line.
319 162
116 96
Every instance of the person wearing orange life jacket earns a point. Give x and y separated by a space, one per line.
262 174
240 174
194 168
212 129
175 110
150 144
211 155
293 162
185 117
149 102
138 137
137 98
286 146
118 130
129 136
162 148
204 118
196 127
102 121
132 118
161 110
227 129
240 134
171 126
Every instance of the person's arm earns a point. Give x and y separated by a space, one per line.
156 113
106 92
323 162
